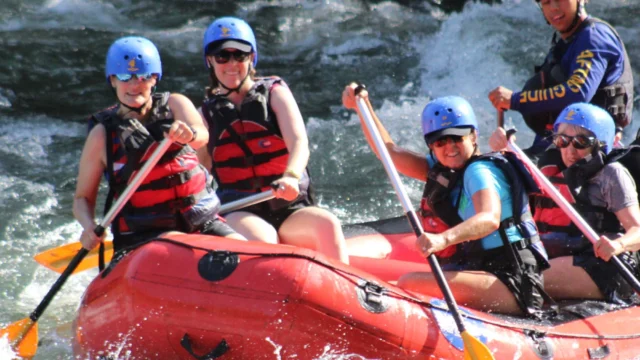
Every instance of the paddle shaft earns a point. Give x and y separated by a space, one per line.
408 208
99 230
501 118
564 204
247 201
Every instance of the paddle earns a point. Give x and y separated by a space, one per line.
564 204
23 334
473 348
58 259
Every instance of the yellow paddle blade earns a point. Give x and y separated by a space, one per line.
474 349
23 337
58 259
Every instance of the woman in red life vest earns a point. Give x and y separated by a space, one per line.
257 139
176 195
584 167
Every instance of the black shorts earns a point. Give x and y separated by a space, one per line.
608 278
274 217
274 211
217 227
525 285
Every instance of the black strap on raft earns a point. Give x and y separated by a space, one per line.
220 350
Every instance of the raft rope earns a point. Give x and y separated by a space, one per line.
537 331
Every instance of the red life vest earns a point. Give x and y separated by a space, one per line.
548 216
246 145
431 223
176 194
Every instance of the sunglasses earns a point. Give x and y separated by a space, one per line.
223 57
127 77
446 139
580 142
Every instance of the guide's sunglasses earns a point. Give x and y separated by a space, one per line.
446 139
127 77
580 142
223 57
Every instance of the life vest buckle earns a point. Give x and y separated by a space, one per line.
178 179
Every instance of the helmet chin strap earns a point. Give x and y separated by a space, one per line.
237 88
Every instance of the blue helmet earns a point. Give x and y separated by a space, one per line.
449 115
592 118
133 55
230 28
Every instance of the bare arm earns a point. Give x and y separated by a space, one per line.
185 113
203 151
630 241
92 165
630 220
292 127
488 208
406 162
487 205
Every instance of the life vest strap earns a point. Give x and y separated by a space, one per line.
250 184
250 161
171 181
244 137
172 206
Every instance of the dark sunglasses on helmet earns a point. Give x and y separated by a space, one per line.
223 57
127 77
440 142
580 142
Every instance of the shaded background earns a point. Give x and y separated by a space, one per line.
51 78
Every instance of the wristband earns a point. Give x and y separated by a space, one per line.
194 136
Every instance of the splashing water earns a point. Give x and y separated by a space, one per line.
5 349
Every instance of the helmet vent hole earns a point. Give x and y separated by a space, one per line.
126 57
139 56
437 113
449 109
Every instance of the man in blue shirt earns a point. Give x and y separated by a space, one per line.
588 63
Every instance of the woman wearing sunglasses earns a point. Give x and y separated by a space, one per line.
603 192
176 194
497 256
258 141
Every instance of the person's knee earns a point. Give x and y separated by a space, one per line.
252 228
324 221
410 280
236 236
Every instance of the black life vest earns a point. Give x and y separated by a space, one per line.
437 195
246 146
616 98
177 193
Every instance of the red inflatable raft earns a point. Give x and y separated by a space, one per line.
199 297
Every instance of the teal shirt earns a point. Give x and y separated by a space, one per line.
478 176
